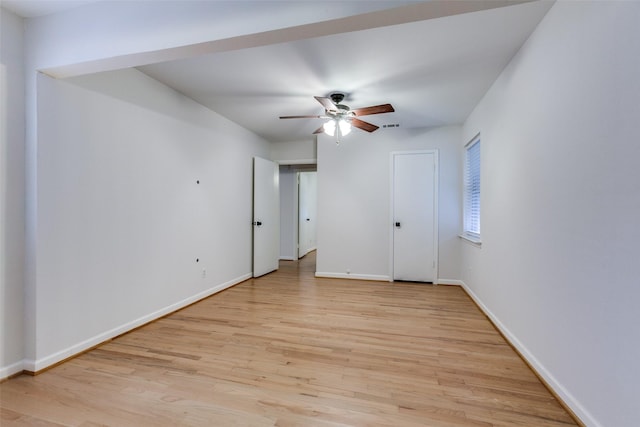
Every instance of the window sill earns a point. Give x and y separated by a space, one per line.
475 241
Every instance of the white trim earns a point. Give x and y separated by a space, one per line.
14 368
391 214
29 365
44 362
296 216
471 239
298 162
452 282
436 214
375 277
436 217
287 258
568 399
472 141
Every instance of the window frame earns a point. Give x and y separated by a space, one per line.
472 191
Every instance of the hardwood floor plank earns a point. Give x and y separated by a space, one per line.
289 349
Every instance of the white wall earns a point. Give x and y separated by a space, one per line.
121 217
111 35
295 152
288 213
307 212
354 219
11 192
114 35
560 206
119 35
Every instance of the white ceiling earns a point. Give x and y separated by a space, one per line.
432 71
35 8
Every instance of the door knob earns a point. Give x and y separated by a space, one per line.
397 224
257 223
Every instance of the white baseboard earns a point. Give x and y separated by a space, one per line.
52 359
287 258
453 282
567 398
14 368
353 276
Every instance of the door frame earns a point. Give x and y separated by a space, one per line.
436 197
296 167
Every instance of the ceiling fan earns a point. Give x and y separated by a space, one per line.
341 117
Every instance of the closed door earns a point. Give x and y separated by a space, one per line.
266 216
415 216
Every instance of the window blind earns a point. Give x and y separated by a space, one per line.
472 189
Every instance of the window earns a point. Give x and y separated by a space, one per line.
472 190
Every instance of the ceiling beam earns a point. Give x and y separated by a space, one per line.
395 16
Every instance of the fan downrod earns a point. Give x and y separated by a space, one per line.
337 97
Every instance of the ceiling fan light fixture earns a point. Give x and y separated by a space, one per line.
341 117
345 127
330 127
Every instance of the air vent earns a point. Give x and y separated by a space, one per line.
392 125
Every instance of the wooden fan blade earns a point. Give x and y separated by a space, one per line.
326 103
302 117
376 109
369 127
319 130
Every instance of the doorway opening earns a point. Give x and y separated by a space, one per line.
298 212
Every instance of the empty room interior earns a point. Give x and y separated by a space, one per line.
319 213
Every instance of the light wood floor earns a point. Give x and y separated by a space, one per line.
288 349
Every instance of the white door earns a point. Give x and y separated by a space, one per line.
266 216
414 205
307 201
